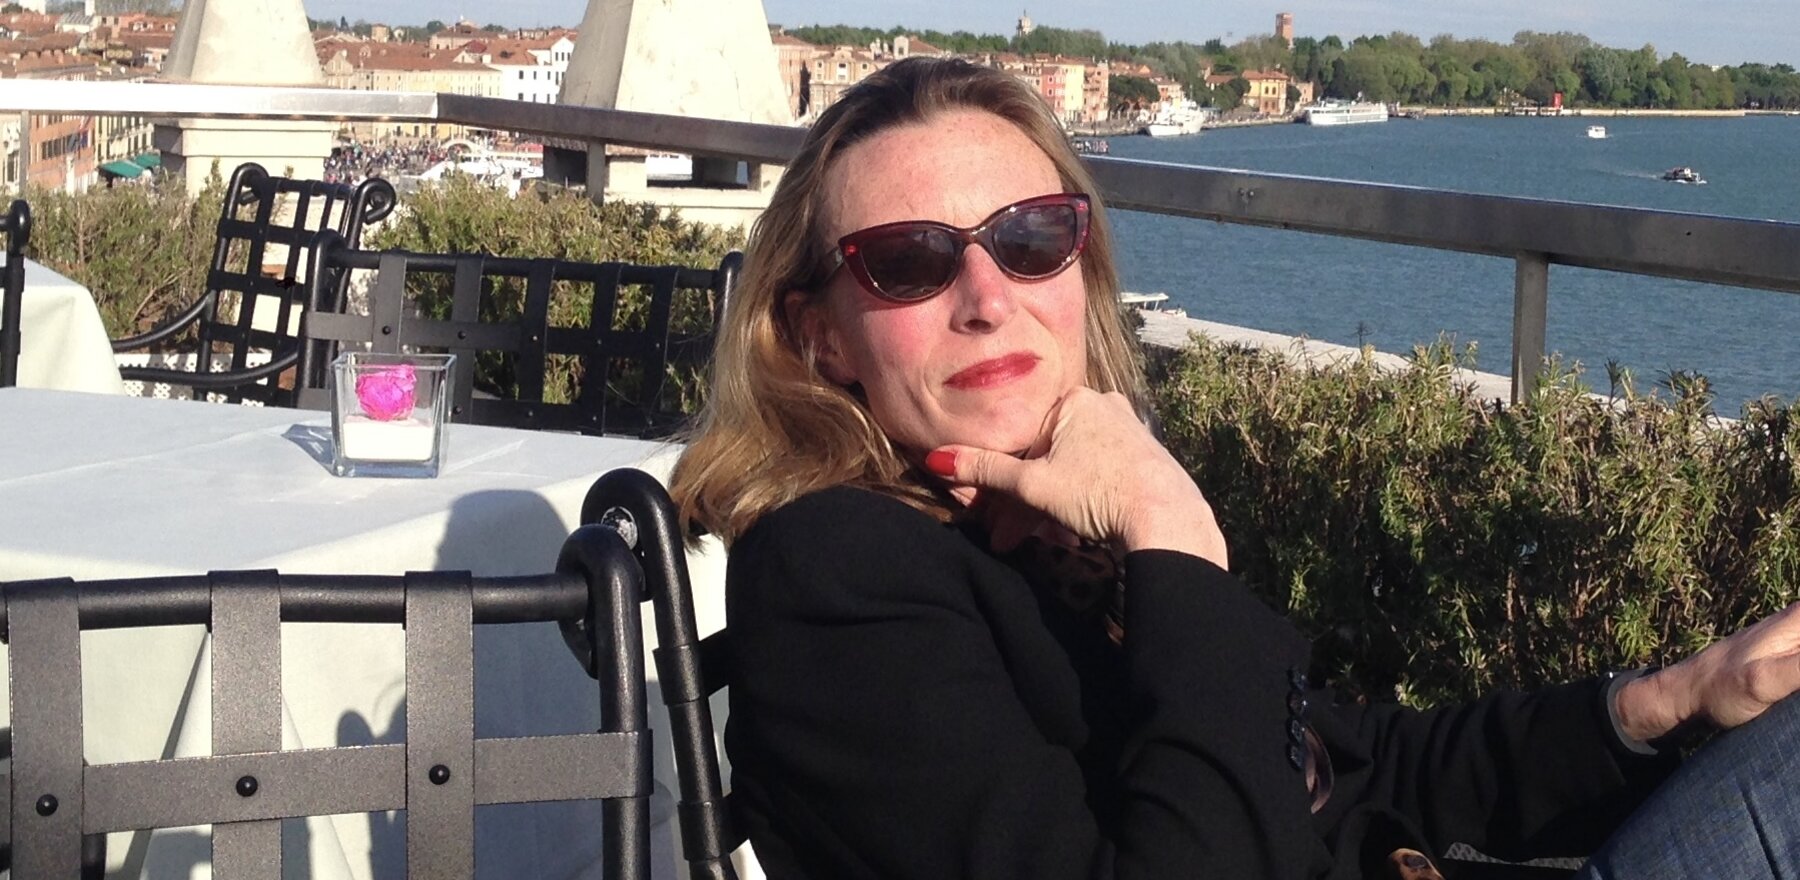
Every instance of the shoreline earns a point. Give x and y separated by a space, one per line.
1419 112
1602 112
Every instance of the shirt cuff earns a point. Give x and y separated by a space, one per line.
1614 681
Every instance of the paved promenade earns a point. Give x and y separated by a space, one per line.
1171 331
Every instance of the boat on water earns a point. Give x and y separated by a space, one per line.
1157 302
1682 174
1091 146
1597 132
1175 118
1344 113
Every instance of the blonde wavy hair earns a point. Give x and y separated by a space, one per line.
775 429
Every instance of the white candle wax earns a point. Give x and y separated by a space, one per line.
366 439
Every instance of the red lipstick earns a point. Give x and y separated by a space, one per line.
997 371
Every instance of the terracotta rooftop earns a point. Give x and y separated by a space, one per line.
399 56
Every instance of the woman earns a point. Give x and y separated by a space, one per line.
983 621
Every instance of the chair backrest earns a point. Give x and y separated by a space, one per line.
525 356
17 227
256 289
438 775
689 669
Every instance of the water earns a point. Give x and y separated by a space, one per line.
1747 342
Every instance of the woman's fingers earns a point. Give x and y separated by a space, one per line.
1098 473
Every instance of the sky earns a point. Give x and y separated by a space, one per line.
1715 32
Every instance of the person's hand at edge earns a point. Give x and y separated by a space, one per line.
1726 684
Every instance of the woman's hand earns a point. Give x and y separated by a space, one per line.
1097 471
1728 683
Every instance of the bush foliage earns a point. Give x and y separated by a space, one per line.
142 250
1436 546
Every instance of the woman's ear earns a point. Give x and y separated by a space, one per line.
810 322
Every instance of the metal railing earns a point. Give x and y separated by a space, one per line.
1534 233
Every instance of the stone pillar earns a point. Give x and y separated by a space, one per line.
702 58
243 42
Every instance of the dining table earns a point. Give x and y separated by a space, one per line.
63 343
96 486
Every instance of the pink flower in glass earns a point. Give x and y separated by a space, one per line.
386 394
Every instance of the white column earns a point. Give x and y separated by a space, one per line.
703 58
243 42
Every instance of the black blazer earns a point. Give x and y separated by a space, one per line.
906 705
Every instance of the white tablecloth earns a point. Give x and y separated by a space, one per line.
63 343
102 486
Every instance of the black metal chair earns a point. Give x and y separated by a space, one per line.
438 775
17 226
689 669
254 309
514 358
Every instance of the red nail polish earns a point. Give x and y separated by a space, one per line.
941 462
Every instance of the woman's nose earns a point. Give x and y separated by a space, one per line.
985 296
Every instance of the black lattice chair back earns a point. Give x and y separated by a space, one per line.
689 669
252 315
249 784
562 345
17 227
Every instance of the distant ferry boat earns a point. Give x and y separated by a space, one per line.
1597 131
1345 113
1682 174
1175 119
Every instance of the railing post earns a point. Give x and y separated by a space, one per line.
24 152
1531 299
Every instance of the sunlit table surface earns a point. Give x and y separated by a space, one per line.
62 341
100 486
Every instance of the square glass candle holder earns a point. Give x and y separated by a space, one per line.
389 414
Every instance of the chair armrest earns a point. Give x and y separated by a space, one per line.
152 337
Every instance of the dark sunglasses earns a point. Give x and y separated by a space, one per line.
910 261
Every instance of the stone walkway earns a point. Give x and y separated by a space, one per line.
1169 330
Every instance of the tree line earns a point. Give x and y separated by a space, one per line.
1400 68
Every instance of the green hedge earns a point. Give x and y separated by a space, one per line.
1435 545
143 250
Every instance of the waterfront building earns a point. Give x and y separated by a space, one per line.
410 67
1168 91
457 35
1268 91
836 69
530 69
793 57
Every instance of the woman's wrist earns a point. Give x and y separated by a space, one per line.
1185 529
1644 708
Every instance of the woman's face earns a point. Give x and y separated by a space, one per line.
982 362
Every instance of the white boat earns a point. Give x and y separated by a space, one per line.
1683 174
1174 119
1597 132
1345 113
1149 302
